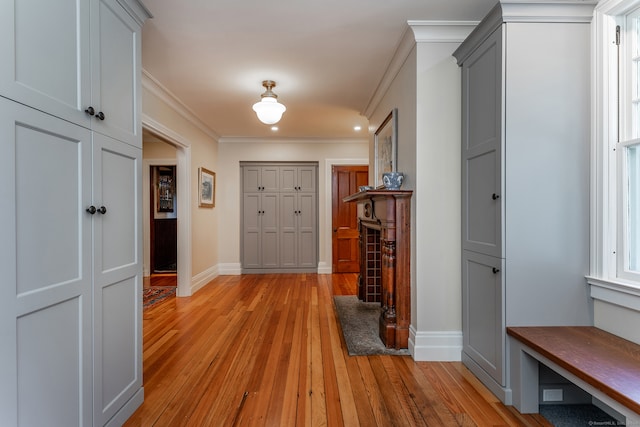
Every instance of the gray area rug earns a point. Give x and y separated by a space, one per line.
576 416
359 324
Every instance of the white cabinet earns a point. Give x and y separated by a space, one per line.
525 175
66 58
117 276
279 217
70 209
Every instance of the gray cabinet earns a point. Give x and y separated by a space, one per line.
525 178
261 230
260 179
71 233
279 212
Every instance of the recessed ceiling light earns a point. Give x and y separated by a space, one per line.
357 128
274 128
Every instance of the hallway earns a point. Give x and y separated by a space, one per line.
267 350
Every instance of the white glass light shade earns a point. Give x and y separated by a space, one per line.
269 110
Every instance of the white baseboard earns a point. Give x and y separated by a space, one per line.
324 268
201 279
435 346
230 269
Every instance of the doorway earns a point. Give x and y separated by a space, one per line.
163 225
345 180
161 209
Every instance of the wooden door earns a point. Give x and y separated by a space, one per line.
345 180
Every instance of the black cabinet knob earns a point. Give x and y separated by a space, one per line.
495 270
100 115
90 111
495 196
102 210
91 209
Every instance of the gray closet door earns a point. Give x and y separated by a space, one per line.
269 230
307 226
482 148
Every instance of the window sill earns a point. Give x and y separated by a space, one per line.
624 294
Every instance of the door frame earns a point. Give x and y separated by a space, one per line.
326 267
183 196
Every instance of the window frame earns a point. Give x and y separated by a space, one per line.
608 277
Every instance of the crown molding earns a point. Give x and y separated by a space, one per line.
441 31
526 11
417 32
292 140
136 9
156 88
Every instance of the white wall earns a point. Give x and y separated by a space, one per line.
197 147
438 299
425 86
234 151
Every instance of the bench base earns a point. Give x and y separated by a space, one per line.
524 382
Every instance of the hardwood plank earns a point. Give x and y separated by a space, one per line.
268 350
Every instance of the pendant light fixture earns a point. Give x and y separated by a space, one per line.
269 111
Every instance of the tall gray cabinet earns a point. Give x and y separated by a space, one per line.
70 212
525 174
279 217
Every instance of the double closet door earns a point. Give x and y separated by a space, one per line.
279 211
70 212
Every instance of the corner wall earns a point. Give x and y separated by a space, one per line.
425 86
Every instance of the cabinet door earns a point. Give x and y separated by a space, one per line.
117 275
289 230
269 237
298 178
45 259
270 178
288 178
44 46
483 201
307 226
116 70
251 244
483 312
251 178
307 178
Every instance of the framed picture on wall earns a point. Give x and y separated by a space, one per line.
207 188
386 146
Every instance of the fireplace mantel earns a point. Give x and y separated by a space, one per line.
385 216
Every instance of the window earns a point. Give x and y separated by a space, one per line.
627 148
615 239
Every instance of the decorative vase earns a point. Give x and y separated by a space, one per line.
392 180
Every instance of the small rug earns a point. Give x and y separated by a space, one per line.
359 323
155 294
576 416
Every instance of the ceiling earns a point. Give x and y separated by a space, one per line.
326 56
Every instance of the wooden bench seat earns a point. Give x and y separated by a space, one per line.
603 364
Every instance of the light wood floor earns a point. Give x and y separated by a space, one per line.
163 279
267 350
